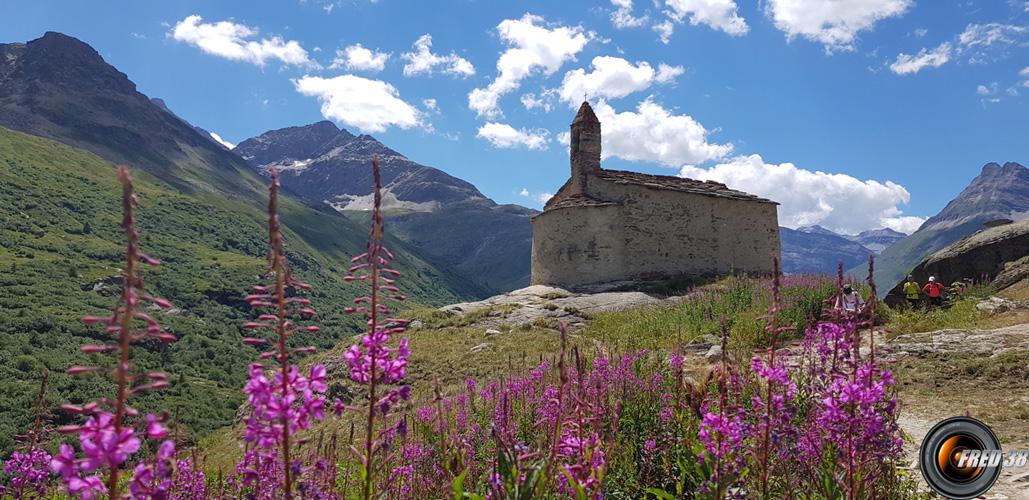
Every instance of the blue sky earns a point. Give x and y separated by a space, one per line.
854 114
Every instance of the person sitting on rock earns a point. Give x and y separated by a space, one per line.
850 301
912 291
935 291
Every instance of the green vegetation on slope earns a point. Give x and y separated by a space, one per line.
61 250
743 302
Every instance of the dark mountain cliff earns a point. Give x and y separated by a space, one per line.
60 88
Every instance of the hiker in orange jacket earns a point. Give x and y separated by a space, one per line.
935 291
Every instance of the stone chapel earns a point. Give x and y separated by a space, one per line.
608 227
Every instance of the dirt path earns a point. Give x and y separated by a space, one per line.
942 375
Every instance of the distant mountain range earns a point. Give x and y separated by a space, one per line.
877 240
443 217
815 249
998 192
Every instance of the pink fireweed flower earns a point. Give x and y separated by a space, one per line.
189 481
104 445
65 464
107 439
285 402
154 428
29 470
153 478
372 362
274 412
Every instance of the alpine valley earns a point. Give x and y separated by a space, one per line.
67 118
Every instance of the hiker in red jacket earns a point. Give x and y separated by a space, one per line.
935 291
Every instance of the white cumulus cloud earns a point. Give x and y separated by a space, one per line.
652 133
622 16
718 14
907 63
532 47
542 101
424 62
370 105
988 42
611 78
667 73
524 192
235 42
837 201
357 57
834 24
502 135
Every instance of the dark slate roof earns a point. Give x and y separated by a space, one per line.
672 183
577 200
585 114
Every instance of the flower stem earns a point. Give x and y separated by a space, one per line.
374 244
128 298
278 266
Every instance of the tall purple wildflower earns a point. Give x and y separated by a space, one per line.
775 407
854 418
29 471
189 480
107 439
723 428
373 362
29 468
288 401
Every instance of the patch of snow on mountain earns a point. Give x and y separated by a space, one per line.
389 202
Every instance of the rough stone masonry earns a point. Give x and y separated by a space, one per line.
610 226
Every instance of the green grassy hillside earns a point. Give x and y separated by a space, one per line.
61 251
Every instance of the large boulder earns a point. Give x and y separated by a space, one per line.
541 302
995 254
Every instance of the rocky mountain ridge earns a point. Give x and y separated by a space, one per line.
326 164
446 218
203 132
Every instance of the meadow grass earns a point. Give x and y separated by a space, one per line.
961 313
742 301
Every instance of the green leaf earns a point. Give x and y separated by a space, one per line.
659 493
458 485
